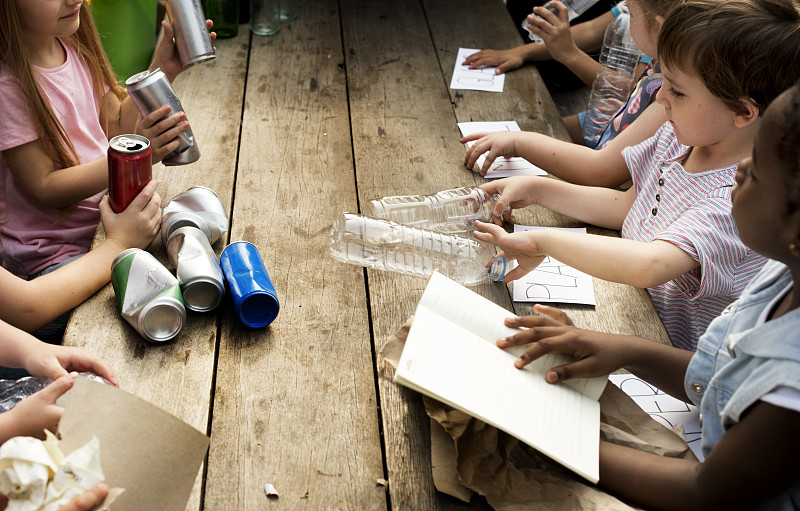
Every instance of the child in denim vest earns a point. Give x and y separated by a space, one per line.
745 375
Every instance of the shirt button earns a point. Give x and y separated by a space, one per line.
697 388
661 181
658 197
654 211
727 309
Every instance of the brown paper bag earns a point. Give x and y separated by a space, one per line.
470 456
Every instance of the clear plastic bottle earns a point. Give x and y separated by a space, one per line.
386 245
449 211
615 76
574 9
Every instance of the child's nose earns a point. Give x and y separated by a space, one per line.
661 97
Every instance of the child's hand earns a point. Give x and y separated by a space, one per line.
138 224
554 31
162 130
88 500
166 55
521 246
53 361
515 193
596 354
34 414
496 144
505 60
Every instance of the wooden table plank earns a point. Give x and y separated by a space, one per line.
176 376
405 141
295 402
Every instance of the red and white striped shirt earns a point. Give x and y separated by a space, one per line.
693 212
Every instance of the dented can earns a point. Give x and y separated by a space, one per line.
197 207
149 91
130 168
198 270
148 295
191 33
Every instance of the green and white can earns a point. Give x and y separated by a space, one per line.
148 295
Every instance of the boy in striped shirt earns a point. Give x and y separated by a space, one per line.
723 63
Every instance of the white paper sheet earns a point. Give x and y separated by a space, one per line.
501 167
553 281
664 408
482 78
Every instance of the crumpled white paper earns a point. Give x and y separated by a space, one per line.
36 476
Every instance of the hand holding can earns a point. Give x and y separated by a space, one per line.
130 168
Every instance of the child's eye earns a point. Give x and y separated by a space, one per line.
673 92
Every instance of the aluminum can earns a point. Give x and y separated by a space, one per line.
199 207
191 34
197 268
130 168
254 298
150 90
148 295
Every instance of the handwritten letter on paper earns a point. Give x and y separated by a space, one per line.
482 78
553 281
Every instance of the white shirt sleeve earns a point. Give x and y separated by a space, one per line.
784 397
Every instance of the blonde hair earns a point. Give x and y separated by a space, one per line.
740 49
86 43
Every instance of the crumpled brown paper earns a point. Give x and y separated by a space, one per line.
468 455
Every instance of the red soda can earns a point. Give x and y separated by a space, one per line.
130 168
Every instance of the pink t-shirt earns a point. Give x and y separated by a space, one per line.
693 212
34 238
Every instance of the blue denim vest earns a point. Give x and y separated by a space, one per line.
736 364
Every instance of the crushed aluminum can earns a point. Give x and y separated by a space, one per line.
198 207
197 268
149 91
148 295
191 34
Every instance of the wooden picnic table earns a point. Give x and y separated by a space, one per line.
348 102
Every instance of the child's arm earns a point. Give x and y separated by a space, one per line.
31 304
568 161
603 207
755 460
596 353
582 37
614 259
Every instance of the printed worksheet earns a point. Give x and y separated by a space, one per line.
553 281
663 408
482 78
501 167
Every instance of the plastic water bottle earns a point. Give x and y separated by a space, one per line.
386 245
615 76
574 9
449 211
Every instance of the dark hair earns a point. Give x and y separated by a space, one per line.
740 49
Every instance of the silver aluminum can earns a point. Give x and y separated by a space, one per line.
150 90
198 269
191 34
148 295
199 207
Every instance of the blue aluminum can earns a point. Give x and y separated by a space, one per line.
254 297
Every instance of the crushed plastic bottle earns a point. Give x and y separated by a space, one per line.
449 211
574 9
386 245
615 77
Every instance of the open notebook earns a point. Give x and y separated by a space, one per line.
451 356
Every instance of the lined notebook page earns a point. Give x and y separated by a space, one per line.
445 359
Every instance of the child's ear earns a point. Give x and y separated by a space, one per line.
751 113
659 21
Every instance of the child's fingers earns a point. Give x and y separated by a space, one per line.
553 313
143 198
153 118
59 387
88 500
